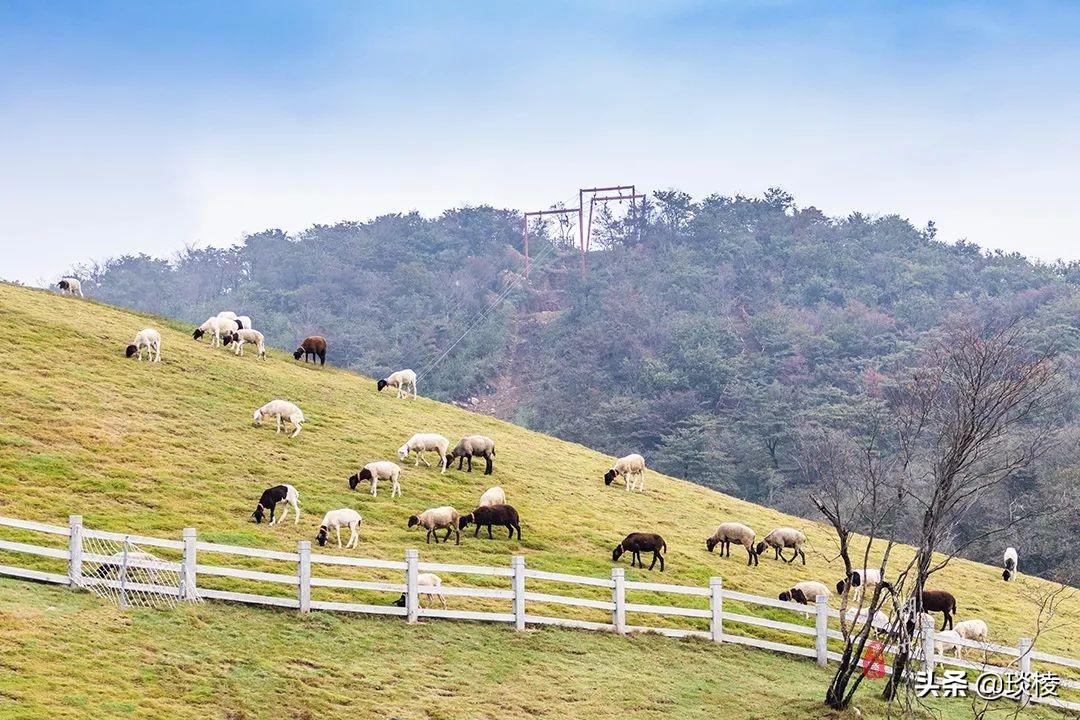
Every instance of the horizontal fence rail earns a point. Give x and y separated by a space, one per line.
509 595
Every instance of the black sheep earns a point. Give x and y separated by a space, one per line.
635 543
504 515
940 601
269 500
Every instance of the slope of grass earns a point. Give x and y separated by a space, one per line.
152 448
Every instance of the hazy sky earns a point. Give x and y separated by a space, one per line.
145 126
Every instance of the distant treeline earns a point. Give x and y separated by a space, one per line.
706 335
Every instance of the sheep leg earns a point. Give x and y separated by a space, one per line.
457 533
489 466
802 554
447 536
428 540
297 432
339 536
470 463
395 489
441 599
655 555
476 532
279 423
460 462
420 456
374 485
490 536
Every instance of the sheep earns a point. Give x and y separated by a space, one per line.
269 500
634 543
70 286
805 592
867 577
738 532
402 380
947 640
940 601
281 409
333 520
218 327
421 443
493 496
504 515
227 314
472 446
243 322
110 570
148 338
856 614
424 580
974 630
782 538
313 345
247 336
436 519
631 465
1010 563
376 471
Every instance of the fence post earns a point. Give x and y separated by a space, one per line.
187 588
412 594
1024 646
618 596
75 550
821 630
928 645
517 563
716 609
304 573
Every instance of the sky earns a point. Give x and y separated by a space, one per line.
148 126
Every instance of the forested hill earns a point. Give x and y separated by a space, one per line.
706 335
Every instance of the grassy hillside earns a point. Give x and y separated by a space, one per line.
151 448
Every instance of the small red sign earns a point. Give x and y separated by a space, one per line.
873 660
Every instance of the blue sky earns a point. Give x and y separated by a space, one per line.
145 126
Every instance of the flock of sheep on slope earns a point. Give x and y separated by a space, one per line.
492 510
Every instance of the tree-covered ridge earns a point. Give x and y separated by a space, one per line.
706 335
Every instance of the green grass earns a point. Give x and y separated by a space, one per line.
151 449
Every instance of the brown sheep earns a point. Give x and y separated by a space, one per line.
635 543
315 346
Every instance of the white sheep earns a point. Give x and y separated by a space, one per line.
438 518
429 580
218 327
228 314
1010 560
493 496
946 640
279 409
70 286
782 538
376 471
974 630
403 380
630 465
881 620
240 337
334 519
150 339
421 443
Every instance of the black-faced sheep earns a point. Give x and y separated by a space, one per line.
148 338
430 580
472 446
218 327
70 286
313 346
632 468
402 381
242 337
271 497
503 515
805 592
636 543
1010 560
782 538
438 518
373 472
867 577
729 532
333 520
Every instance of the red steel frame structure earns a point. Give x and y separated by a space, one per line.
584 229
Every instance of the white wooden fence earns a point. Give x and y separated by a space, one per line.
511 589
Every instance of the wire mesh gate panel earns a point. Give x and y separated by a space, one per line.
128 576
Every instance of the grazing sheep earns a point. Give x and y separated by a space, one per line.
70 286
278 409
240 337
855 614
630 465
635 543
333 520
148 338
472 446
424 580
947 640
1010 563
269 500
436 519
227 314
314 346
421 443
805 592
503 515
402 380
218 327
974 630
782 538
493 496
373 472
243 322
867 577
940 601
734 531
